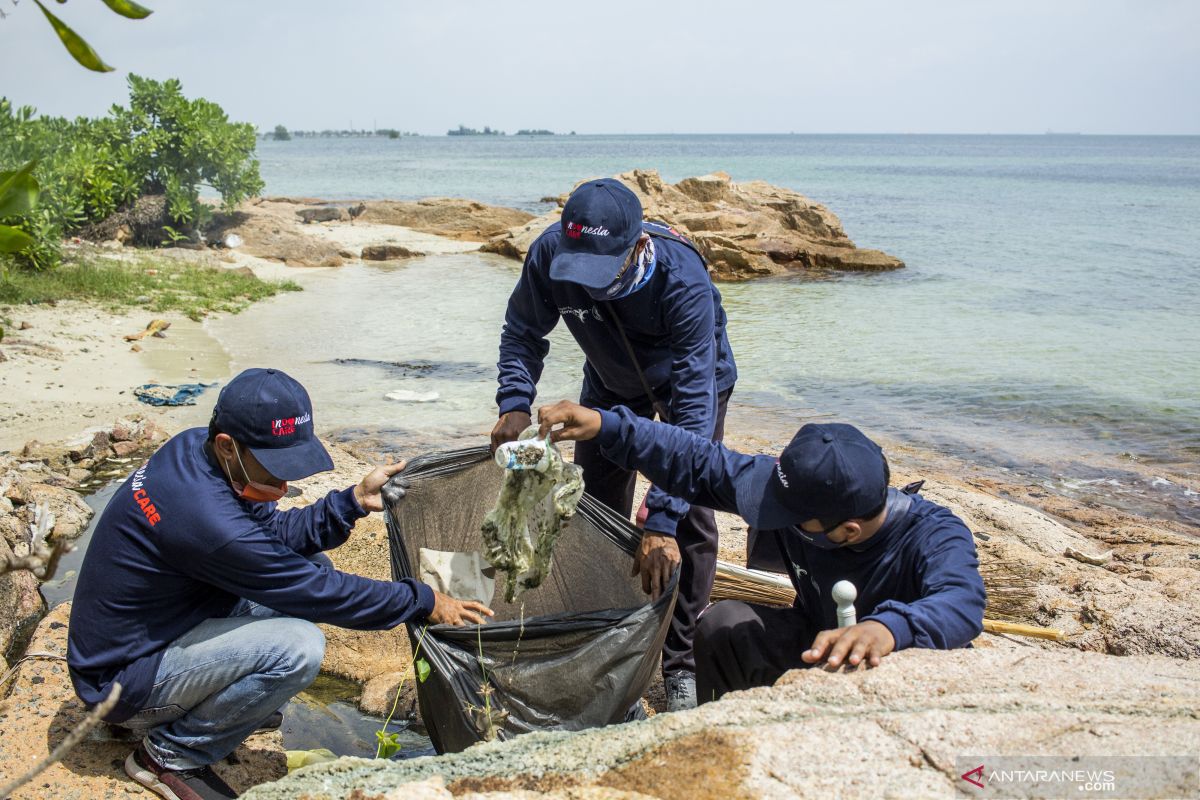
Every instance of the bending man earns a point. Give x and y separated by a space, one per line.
826 503
637 298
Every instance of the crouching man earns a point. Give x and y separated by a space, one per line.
198 596
826 504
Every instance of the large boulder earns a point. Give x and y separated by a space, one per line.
446 216
272 230
894 731
745 230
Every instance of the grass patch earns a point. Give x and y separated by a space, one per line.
155 285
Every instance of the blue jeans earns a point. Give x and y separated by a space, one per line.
224 677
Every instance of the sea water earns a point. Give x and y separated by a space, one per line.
1046 321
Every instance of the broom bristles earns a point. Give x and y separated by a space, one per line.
1012 596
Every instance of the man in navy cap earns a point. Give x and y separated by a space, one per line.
637 298
198 596
826 504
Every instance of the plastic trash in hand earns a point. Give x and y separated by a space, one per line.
527 452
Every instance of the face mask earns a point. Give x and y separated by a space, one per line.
821 541
251 490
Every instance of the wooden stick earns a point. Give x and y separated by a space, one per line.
738 583
1017 629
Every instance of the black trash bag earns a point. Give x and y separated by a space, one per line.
576 652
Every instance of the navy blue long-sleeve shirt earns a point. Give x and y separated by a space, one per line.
918 575
676 328
175 547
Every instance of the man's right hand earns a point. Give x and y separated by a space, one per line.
509 427
449 611
578 422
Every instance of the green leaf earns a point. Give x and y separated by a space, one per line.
18 191
387 744
80 50
13 240
423 670
127 8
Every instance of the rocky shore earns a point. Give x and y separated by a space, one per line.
745 230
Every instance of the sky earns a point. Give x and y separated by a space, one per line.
655 66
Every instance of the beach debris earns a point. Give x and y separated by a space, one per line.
844 594
154 328
409 396
233 240
184 394
356 211
303 758
24 326
136 348
519 533
1017 629
1097 560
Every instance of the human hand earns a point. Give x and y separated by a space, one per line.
578 422
450 611
868 640
367 491
509 427
656 559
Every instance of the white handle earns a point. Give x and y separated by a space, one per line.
844 594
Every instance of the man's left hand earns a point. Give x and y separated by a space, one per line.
869 641
656 559
367 491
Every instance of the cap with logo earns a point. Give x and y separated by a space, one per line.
829 472
268 412
601 223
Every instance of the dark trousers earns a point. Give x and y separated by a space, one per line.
741 645
696 535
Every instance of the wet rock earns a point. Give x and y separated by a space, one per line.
124 449
379 695
387 252
745 230
894 731
322 214
71 514
93 769
21 605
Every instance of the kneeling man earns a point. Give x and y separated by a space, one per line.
198 596
826 504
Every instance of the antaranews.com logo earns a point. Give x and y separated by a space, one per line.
1079 776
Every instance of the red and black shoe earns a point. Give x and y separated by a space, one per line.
176 784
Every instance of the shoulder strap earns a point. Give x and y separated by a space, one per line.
661 230
658 407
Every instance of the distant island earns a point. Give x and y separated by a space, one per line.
463 130
535 132
282 134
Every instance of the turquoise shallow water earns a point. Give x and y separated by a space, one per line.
1047 318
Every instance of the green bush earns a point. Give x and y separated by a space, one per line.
163 143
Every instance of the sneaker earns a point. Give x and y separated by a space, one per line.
681 690
176 784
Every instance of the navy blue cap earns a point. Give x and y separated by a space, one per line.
601 223
269 412
830 472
